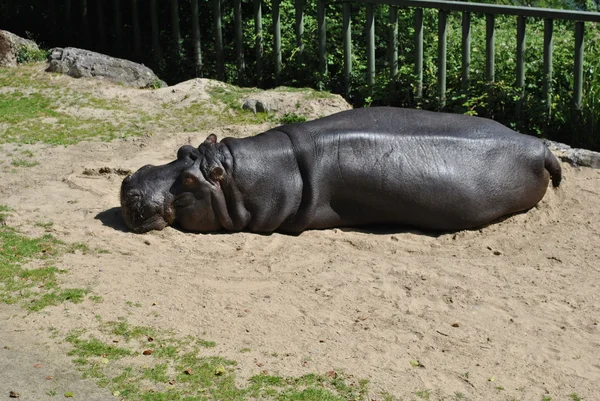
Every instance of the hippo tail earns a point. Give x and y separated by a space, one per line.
553 166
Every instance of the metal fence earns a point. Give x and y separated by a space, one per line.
129 15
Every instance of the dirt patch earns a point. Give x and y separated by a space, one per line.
510 311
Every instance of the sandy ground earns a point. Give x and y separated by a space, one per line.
515 305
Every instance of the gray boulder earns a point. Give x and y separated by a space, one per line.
11 45
574 156
80 63
256 106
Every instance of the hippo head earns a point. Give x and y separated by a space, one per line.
153 196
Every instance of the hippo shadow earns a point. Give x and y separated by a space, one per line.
112 218
391 229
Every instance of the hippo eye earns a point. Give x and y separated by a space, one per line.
188 180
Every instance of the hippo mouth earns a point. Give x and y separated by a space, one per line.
156 222
143 222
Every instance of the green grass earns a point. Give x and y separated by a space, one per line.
24 163
34 112
292 118
34 288
44 224
183 369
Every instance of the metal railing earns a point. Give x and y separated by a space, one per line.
490 11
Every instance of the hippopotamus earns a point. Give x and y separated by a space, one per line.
427 170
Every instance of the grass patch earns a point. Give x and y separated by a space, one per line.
35 288
24 163
4 212
34 112
231 111
292 118
181 369
44 224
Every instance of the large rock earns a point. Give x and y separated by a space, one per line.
80 63
10 45
574 156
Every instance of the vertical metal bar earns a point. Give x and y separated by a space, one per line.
118 26
490 40
419 51
259 40
137 37
100 25
466 51
521 35
239 41
68 23
277 38
196 39
521 21
548 44
370 27
347 32
299 4
393 43
175 21
322 29
442 39
155 30
219 39
85 24
52 20
578 73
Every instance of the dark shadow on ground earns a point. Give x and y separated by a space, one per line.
112 218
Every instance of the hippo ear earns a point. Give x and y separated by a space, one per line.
212 138
216 173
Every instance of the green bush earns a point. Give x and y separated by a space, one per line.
30 54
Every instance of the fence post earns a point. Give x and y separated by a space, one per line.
490 59
521 35
137 37
370 27
239 41
100 26
490 38
393 50
442 39
259 41
299 5
175 21
548 44
155 30
419 51
219 39
347 32
85 24
578 67
277 38
118 26
466 51
322 29
196 39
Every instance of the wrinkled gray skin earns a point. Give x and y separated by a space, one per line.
428 170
